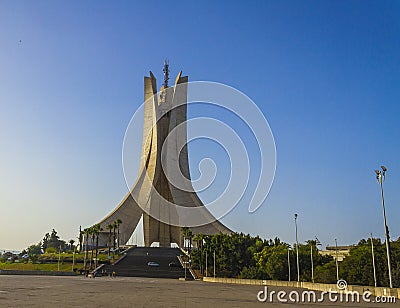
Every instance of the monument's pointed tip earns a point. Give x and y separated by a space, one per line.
178 77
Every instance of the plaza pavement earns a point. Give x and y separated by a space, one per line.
47 291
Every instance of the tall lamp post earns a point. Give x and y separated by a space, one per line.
337 261
206 264
288 261
214 263
380 176
297 249
312 263
373 259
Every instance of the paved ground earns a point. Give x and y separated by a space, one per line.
37 291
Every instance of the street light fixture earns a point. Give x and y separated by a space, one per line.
380 176
312 263
337 261
373 259
288 261
297 249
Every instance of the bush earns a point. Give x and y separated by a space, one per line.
252 272
51 250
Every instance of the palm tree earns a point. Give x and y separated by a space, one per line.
184 231
97 231
86 232
109 227
93 235
118 222
80 238
187 234
114 235
71 244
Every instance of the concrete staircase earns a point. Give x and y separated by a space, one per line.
135 263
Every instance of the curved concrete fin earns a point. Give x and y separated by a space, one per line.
178 77
129 213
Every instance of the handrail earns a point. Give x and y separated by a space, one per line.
191 271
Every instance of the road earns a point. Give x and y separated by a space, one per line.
42 291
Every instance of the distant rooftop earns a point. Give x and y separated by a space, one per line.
339 247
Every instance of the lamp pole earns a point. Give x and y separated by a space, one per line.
288 261
59 258
185 264
312 265
214 263
297 249
380 176
317 243
206 264
337 262
73 259
373 260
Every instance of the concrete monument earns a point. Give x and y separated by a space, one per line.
164 177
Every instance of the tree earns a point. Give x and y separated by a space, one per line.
118 223
234 254
92 233
305 260
252 272
357 267
97 230
71 244
326 273
86 233
114 234
187 235
395 257
276 266
109 227
45 241
240 255
51 250
34 249
53 240
80 238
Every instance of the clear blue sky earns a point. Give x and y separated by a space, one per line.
325 74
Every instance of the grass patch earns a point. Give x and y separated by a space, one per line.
64 267
67 257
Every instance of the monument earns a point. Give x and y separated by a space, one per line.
164 177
